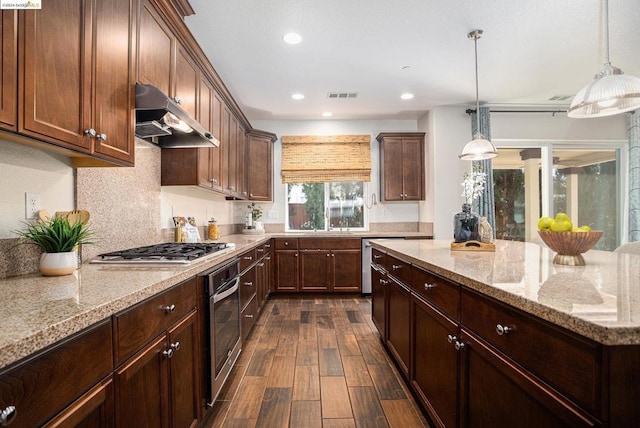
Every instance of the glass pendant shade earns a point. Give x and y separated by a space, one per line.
478 148
611 92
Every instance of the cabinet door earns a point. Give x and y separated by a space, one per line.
185 372
392 169
261 281
56 104
232 156
215 155
435 363
315 270
248 286
8 69
205 116
156 47
379 301
286 270
241 178
399 323
141 387
497 393
346 270
412 169
114 103
225 146
259 169
93 409
187 77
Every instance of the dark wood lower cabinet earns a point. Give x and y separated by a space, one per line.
94 409
399 323
379 300
435 363
286 270
184 370
315 272
346 269
497 393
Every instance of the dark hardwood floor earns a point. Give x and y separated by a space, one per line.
315 362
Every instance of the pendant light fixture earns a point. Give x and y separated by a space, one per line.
479 147
611 92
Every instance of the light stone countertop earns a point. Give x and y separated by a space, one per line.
38 311
600 301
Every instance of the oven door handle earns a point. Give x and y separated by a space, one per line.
228 291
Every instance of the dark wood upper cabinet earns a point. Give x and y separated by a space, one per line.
241 147
259 161
77 77
186 82
156 47
402 166
8 69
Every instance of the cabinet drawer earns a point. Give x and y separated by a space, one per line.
248 318
399 268
262 250
286 244
43 385
247 259
569 364
247 287
329 243
378 257
440 292
136 326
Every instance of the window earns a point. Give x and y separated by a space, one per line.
326 206
584 181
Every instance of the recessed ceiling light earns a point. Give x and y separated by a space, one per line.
406 96
297 96
292 38
327 114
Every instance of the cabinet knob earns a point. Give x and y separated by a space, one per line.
170 308
248 257
260 250
168 353
102 137
267 258
8 415
286 243
261 264
214 180
502 329
177 100
296 254
428 286
328 254
395 267
248 316
251 195
175 346
459 345
377 256
267 245
90 132
451 338
248 284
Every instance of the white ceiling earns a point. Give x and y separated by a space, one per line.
531 51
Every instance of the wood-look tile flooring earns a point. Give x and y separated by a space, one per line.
315 362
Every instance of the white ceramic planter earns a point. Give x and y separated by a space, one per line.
57 264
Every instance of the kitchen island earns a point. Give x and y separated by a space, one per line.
507 337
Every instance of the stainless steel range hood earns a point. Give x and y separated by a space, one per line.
163 121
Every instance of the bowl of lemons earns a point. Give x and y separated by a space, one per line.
567 241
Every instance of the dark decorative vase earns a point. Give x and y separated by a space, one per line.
465 225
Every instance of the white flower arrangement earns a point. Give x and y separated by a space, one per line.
473 184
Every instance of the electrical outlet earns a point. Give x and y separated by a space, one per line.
32 204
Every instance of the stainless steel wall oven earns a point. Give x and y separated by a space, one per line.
224 342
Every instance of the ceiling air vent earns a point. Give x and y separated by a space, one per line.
561 98
342 95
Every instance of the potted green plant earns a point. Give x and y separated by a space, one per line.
58 239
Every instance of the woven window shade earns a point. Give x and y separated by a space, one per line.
319 159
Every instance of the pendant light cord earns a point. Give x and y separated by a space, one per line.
475 44
606 29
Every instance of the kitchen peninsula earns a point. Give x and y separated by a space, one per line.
508 338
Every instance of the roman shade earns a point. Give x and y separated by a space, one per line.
329 158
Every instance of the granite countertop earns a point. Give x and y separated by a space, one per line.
600 301
38 311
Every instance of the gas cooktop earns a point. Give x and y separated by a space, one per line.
170 252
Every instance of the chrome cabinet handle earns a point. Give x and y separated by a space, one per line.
214 180
459 345
248 316
250 195
248 257
286 243
8 415
267 245
395 267
267 258
102 137
428 286
175 346
260 250
451 338
90 132
168 353
170 308
177 100
296 254
502 329
248 284
377 256
328 254
261 264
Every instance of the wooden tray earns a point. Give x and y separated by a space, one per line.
472 246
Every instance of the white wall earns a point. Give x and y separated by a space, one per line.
382 213
28 169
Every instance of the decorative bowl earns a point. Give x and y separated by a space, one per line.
569 246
